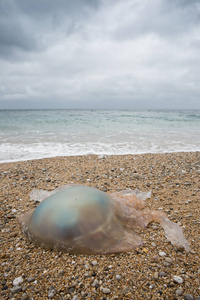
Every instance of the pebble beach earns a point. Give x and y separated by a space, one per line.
155 270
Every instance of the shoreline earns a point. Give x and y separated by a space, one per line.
98 154
143 273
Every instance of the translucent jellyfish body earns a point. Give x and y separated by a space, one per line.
80 219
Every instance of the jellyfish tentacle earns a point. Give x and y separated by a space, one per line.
132 213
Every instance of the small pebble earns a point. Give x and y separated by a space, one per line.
125 290
178 279
5 287
118 277
18 281
179 292
156 276
155 257
162 253
61 272
14 234
30 279
24 297
162 274
94 262
188 297
8 269
16 289
24 288
95 283
105 290
168 259
51 293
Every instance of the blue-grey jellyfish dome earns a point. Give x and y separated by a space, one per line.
81 219
78 219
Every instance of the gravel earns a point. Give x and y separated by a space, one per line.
133 275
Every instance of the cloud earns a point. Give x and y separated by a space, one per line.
103 54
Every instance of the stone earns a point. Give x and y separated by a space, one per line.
125 290
31 279
94 262
179 292
162 253
95 283
105 290
188 297
18 281
7 269
178 279
14 234
24 297
155 257
168 259
51 293
5 287
24 288
162 274
118 277
61 272
155 275
16 289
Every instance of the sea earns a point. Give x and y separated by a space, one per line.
34 134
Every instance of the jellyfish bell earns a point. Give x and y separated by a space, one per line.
77 219
81 219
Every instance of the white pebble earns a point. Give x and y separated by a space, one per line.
51 293
18 281
118 277
178 279
94 262
105 290
169 260
95 282
179 292
162 253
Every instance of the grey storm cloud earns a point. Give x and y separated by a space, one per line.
99 54
23 24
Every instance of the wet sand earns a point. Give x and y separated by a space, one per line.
147 272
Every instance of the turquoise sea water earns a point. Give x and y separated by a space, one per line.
30 134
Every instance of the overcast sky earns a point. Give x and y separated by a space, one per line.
131 54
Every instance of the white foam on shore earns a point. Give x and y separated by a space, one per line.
23 152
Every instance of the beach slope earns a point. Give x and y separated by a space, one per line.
156 270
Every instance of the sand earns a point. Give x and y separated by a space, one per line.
146 273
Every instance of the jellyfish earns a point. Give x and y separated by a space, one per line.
79 219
